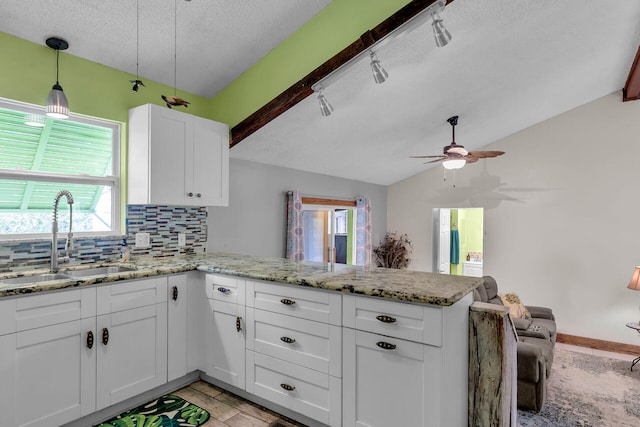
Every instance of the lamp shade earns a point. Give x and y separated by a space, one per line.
634 283
57 104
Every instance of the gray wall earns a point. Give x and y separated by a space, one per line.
561 215
254 223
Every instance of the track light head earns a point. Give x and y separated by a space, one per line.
379 73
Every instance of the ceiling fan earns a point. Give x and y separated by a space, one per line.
455 156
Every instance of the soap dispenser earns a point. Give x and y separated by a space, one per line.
125 253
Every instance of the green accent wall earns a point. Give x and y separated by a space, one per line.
335 27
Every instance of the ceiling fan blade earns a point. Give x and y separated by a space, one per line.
429 157
484 154
437 160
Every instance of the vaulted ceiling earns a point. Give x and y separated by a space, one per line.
510 65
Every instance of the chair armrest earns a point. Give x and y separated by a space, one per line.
541 312
531 363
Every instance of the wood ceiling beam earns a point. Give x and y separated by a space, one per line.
631 90
302 88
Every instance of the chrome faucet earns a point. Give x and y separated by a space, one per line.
54 231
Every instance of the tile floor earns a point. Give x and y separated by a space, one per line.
229 410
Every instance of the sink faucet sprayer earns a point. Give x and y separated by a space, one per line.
54 231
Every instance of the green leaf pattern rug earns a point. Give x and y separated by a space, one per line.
166 411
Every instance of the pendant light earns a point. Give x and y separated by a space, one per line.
57 104
137 82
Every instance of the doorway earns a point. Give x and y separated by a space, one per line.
458 241
329 234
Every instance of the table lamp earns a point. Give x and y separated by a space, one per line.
634 283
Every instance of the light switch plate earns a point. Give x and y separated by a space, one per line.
182 239
143 240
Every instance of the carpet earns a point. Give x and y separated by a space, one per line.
588 391
166 411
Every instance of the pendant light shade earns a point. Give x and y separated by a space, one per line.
57 104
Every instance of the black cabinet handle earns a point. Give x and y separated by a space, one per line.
190 194
386 345
286 301
386 319
105 336
174 293
90 339
224 290
287 387
288 340
239 324
198 195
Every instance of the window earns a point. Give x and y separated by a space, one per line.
40 156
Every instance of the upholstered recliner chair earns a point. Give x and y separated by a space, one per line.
536 340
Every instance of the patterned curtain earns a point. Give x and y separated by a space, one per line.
295 237
363 231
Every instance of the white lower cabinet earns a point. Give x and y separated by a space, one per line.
69 356
390 382
132 353
225 330
226 343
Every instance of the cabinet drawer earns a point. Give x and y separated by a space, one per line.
311 304
224 288
7 316
411 322
131 294
52 308
304 342
303 390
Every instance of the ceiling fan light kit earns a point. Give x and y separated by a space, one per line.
57 104
455 156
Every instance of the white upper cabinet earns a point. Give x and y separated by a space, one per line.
176 158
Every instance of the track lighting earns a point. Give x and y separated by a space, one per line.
379 73
440 33
325 108
57 104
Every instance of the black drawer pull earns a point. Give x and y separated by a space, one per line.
386 345
224 290
386 319
287 340
174 294
287 387
90 339
105 336
239 324
286 301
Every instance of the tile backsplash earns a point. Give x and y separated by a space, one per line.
163 223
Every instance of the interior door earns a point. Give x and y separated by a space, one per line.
443 262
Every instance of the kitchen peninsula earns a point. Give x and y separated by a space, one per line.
324 343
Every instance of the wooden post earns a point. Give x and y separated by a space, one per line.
493 367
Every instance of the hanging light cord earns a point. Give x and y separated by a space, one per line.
57 62
137 38
175 46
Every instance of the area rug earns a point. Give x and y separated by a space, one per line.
166 411
588 391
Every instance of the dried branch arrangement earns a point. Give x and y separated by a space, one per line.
393 252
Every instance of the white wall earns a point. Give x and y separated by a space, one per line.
562 223
254 223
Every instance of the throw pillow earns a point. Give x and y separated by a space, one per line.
516 308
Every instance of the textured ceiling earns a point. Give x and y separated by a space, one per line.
511 64
217 40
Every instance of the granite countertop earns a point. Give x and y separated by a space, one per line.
403 285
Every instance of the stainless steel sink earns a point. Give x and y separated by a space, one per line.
35 279
99 271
